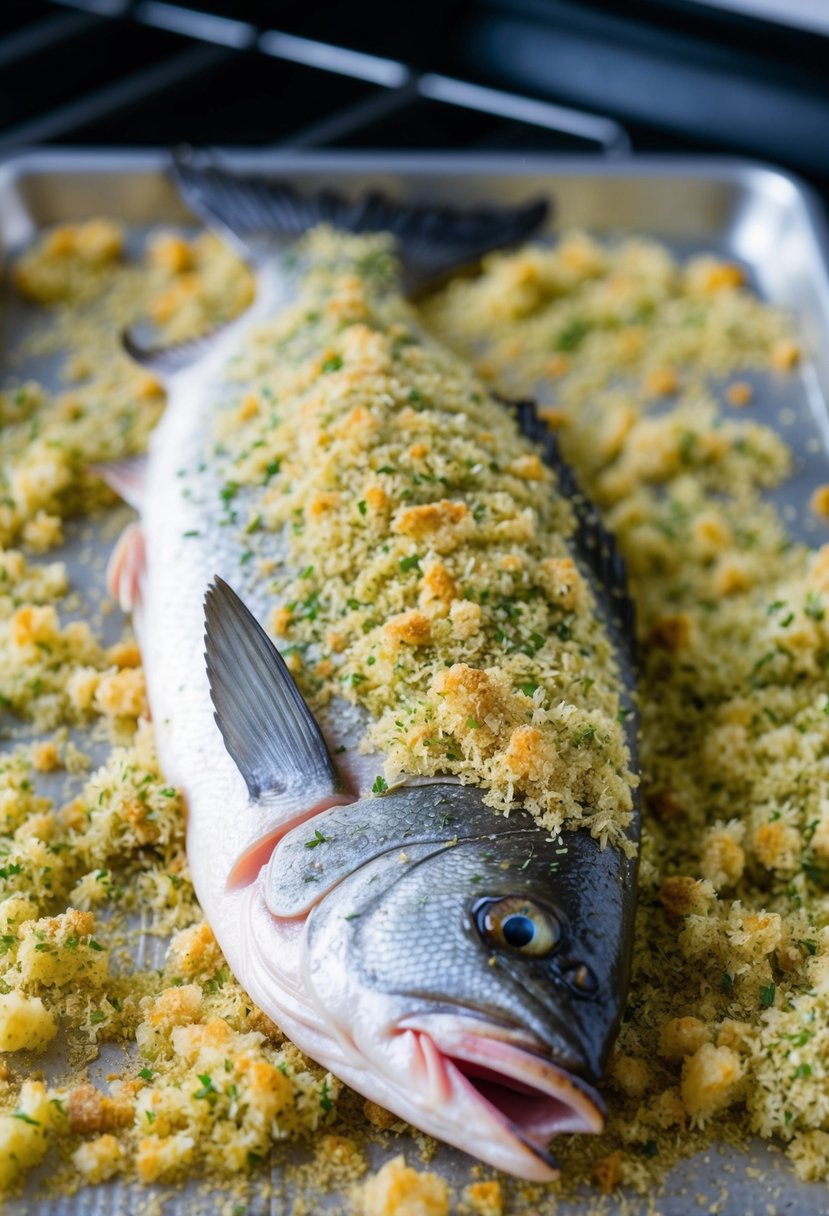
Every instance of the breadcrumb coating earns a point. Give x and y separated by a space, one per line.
435 585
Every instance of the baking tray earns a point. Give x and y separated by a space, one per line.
752 213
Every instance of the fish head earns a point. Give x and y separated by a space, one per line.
469 969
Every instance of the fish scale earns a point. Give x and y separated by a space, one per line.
376 931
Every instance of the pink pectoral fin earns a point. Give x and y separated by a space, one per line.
126 477
127 565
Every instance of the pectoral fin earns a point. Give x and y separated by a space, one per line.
126 477
127 567
266 726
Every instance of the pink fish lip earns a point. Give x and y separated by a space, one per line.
526 1093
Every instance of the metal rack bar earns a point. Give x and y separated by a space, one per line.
362 113
99 8
204 27
118 96
41 35
604 131
215 36
329 58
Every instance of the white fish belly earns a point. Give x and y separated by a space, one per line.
186 549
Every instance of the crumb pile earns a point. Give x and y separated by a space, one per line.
51 439
213 1083
430 579
726 1028
207 1082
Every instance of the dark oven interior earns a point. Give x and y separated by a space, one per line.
526 75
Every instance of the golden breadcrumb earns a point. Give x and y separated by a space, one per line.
433 584
399 1190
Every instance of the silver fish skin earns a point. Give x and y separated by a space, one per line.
464 970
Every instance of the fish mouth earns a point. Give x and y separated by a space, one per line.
522 1094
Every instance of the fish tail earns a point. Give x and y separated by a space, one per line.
432 240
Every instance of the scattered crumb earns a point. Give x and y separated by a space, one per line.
399 1190
740 393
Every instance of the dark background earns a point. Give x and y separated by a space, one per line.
679 76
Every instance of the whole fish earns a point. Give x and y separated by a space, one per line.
464 969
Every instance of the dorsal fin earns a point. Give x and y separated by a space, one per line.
267 728
165 361
595 546
432 239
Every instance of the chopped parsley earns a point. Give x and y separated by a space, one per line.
317 839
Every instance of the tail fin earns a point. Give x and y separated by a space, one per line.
432 240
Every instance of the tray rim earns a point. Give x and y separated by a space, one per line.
692 163
752 174
733 170
726 169
756 175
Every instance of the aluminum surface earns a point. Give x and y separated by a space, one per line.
757 215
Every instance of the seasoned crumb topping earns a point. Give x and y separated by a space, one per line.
433 582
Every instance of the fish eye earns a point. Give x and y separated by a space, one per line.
520 924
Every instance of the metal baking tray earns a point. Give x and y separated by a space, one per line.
764 218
